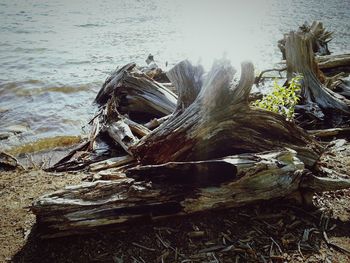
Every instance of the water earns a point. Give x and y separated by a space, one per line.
54 55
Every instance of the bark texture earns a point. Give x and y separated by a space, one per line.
319 38
220 121
301 60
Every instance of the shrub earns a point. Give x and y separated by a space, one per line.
281 99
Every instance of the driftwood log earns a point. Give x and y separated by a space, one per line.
175 189
334 63
329 64
215 151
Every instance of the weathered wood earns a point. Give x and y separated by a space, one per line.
334 62
301 60
9 162
154 123
342 87
188 81
75 158
247 178
137 93
220 122
214 151
330 133
179 189
331 63
111 163
121 134
137 128
153 71
324 184
319 38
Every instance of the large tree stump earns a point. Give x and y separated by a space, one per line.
301 60
219 121
319 37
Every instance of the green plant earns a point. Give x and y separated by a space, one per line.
282 100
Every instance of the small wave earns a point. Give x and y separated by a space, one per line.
4 44
22 31
90 25
30 88
30 50
66 89
74 62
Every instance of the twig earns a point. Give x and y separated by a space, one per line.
278 246
299 250
143 247
135 259
263 258
271 249
216 260
331 244
212 249
268 70
161 241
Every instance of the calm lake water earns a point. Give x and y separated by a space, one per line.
55 55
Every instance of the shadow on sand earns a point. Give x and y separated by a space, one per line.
273 231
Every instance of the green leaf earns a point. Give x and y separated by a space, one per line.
281 99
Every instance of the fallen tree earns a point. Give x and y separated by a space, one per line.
178 189
204 156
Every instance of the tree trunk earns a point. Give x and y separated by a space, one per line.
301 60
319 37
180 188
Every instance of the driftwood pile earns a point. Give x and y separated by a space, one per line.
153 154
